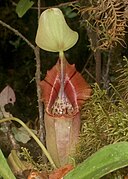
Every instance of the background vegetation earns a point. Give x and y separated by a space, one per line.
98 56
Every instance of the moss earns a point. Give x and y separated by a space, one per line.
104 119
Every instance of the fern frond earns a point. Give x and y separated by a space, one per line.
107 17
123 80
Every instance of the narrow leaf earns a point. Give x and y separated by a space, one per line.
23 6
5 171
104 161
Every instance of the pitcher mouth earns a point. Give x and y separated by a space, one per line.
64 97
62 116
62 108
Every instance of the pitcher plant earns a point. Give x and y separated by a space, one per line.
64 90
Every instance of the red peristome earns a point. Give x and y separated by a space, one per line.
50 86
76 89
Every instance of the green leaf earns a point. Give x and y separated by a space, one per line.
104 161
70 13
5 171
23 6
60 37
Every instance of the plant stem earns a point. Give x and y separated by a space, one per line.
40 104
106 75
97 56
97 53
38 79
62 72
34 137
37 74
38 6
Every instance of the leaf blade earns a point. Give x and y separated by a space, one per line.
5 171
104 161
23 6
